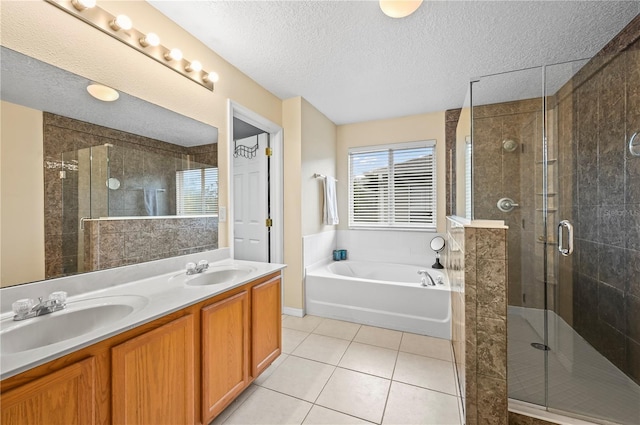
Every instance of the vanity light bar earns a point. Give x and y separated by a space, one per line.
119 27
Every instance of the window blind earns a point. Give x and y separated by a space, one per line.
393 186
197 191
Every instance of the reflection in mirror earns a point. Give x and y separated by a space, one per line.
123 182
437 243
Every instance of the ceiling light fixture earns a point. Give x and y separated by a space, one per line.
151 39
101 92
399 8
83 4
121 28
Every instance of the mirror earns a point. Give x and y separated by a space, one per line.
89 185
437 245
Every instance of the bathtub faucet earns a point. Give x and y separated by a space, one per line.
424 278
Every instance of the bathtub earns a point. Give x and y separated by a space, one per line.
380 294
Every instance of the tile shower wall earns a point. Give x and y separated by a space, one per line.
455 269
120 242
66 135
597 113
511 176
451 118
480 255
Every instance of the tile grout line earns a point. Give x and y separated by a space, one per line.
393 372
350 344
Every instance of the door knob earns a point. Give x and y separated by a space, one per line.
506 204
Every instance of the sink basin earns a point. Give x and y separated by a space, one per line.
77 319
219 275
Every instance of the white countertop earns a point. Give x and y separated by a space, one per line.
161 295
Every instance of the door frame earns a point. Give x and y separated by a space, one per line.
236 110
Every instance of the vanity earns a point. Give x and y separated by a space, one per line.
169 348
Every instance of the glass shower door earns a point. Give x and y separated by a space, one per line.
593 363
508 174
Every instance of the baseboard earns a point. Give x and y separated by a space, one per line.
290 311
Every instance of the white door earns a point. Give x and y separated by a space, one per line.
250 186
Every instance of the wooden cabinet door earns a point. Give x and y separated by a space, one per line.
65 397
153 376
225 353
266 325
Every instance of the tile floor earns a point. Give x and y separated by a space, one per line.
334 372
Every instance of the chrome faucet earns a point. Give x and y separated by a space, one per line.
193 268
424 278
25 308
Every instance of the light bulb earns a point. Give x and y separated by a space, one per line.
212 77
83 4
150 39
194 66
121 22
173 55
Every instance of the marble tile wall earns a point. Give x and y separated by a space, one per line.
451 124
480 255
517 419
66 135
598 112
118 242
453 260
498 174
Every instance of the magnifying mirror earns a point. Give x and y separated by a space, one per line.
437 245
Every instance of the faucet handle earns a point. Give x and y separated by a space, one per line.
191 267
202 265
424 272
58 297
22 306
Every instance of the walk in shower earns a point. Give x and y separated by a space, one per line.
108 181
556 155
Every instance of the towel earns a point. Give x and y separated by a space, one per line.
151 201
330 201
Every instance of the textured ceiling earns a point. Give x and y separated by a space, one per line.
355 64
29 82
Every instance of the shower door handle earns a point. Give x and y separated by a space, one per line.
565 224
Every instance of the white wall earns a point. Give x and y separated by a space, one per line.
22 195
318 156
310 147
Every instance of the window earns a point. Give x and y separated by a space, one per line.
393 186
197 191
